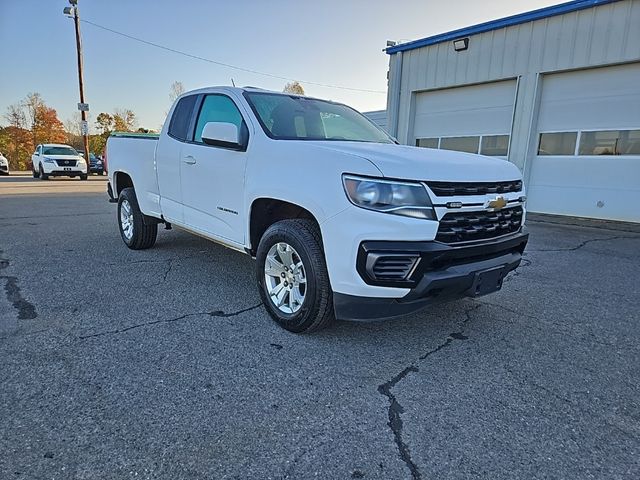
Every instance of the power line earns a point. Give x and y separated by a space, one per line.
228 65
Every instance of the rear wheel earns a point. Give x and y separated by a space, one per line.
292 276
134 232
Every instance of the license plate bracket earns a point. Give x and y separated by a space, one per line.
487 281
67 169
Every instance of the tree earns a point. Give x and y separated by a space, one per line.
34 103
15 140
124 120
177 89
294 87
48 127
104 123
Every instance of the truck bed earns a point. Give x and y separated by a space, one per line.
133 154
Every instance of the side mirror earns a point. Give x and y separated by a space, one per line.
222 134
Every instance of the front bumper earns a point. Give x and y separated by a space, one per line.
443 272
55 170
66 173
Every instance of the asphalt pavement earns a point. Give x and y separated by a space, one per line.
163 364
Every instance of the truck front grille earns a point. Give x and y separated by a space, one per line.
66 163
450 189
470 226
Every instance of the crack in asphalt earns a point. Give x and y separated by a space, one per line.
169 262
214 313
26 310
395 408
518 271
582 244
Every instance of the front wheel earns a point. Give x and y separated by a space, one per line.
292 276
82 177
42 175
134 232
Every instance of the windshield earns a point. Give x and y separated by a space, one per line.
289 117
59 151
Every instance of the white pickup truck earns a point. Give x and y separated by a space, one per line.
343 221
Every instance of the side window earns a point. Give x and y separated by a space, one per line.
179 125
217 108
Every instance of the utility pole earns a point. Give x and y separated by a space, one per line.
83 107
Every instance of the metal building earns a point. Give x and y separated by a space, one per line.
556 91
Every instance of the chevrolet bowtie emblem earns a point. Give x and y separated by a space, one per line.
497 203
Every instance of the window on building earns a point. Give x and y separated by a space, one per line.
610 142
495 145
559 143
460 144
427 142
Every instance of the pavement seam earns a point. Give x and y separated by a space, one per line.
582 244
214 313
396 410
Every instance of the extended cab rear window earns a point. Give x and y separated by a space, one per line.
179 125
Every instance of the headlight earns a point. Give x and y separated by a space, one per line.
81 161
48 160
399 198
99 162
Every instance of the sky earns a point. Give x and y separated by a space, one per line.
336 42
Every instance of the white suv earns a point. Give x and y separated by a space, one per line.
4 165
57 160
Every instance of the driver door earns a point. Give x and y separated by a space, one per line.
212 177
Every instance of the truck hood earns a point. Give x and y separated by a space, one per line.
416 163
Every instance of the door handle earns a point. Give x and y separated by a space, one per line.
189 160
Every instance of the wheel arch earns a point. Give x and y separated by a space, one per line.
121 180
265 211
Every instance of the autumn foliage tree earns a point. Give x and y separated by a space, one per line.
30 122
294 87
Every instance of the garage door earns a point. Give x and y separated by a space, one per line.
587 160
474 119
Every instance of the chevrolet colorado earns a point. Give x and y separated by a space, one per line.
342 221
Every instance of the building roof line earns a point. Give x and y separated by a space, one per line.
517 19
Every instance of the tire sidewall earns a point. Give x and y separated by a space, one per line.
303 318
127 195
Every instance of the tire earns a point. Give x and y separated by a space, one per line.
35 174
41 174
141 236
315 312
83 177
101 172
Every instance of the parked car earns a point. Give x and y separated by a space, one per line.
342 220
95 165
4 165
57 160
